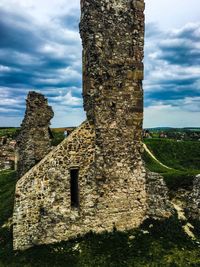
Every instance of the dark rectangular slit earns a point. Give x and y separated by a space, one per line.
74 188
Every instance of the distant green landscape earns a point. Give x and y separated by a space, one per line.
178 155
9 132
154 244
12 132
183 157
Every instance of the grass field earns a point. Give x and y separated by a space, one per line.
178 155
58 136
9 132
183 157
7 187
57 133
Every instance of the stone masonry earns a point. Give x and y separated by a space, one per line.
33 141
193 201
95 179
113 41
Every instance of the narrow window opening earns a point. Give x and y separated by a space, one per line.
74 188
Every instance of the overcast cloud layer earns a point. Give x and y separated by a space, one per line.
40 49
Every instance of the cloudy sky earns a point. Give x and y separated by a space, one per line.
40 50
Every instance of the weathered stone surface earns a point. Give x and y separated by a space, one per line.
113 40
113 189
7 153
33 141
193 203
158 203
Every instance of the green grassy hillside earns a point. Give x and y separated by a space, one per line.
183 157
58 137
178 155
9 132
7 188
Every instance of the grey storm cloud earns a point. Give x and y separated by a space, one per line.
16 33
33 54
45 58
182 47
71 20
172 66
152 30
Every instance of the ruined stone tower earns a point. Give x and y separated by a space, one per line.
33 141
113 48
95 179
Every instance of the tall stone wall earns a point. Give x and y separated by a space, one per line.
113 45
112 188
112 34
43 210
33 141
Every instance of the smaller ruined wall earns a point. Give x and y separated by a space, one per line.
43 212
33 141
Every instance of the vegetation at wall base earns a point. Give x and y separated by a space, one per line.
7 189
155 243
58 136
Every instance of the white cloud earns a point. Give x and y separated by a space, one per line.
172 72
68 100
8 110
4 68
9 102
63 76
